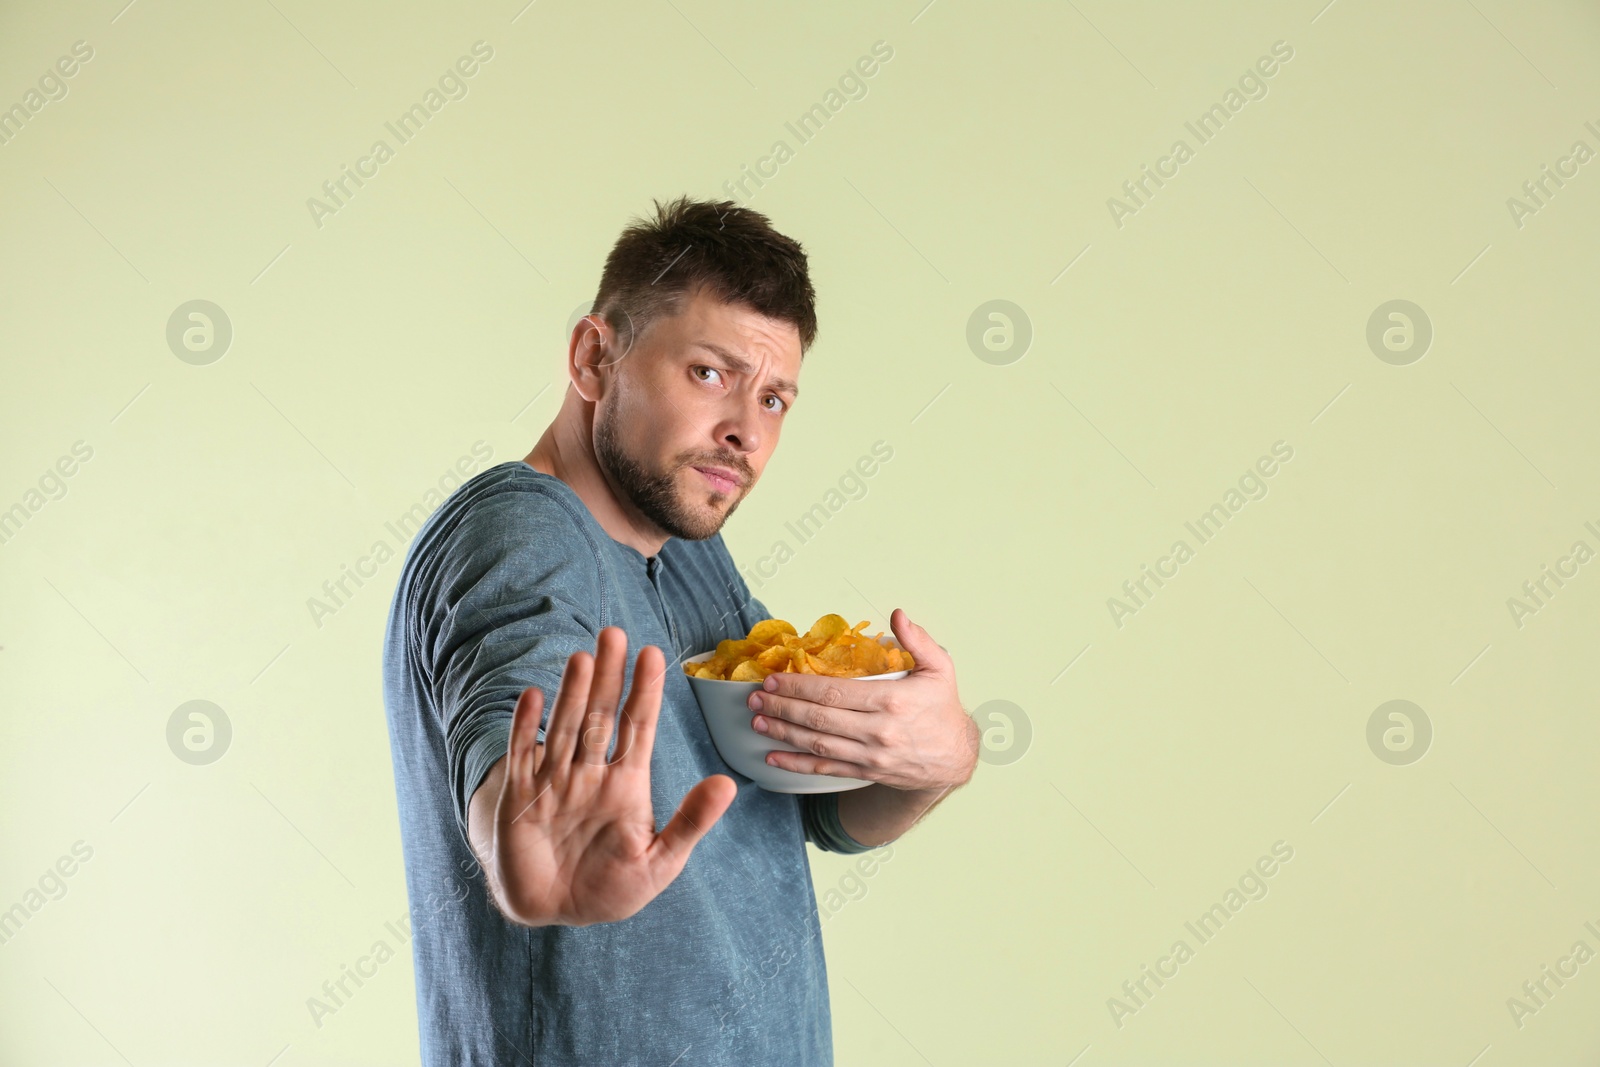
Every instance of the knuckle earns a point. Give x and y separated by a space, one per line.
817 719
831 696
821 746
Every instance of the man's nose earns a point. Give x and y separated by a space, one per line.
742 434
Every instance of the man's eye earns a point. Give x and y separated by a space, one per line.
779 399
698 369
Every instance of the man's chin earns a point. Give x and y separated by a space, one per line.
704 515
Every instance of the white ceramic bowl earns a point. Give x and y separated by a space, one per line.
728 716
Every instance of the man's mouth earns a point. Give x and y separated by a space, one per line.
722 479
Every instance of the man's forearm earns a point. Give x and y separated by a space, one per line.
480 830
880 813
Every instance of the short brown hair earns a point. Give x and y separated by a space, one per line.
731 252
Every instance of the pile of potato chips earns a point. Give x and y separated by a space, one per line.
831 648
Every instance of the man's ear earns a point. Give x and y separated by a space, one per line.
587 356
595 351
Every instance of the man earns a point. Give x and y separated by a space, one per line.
552 923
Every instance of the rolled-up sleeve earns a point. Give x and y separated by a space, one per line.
516 591
819 813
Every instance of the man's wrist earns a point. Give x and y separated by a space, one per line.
880 814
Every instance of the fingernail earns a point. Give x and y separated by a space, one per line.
770 685
755 701
760 724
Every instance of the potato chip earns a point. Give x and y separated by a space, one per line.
828 627
747 672
768 631
870 658
839 655
774 658
739 647
832 647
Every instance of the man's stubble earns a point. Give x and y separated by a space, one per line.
655 495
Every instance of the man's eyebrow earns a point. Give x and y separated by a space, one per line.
739 364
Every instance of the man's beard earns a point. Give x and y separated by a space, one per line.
655 495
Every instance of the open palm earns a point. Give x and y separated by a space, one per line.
575 840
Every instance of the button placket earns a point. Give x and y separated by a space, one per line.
653 571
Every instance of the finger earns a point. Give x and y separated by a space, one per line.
915 639
843 722
702 806
805 763
605 692
850 694
520 761
566 718
816 742
636 732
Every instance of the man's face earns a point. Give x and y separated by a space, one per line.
700 393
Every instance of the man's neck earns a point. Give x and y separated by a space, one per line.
570 457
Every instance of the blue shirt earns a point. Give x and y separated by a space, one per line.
509 577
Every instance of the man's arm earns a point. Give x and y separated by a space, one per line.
879 813
910 737
869 817
508 602
480 828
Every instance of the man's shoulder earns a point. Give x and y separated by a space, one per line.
513 496
507 516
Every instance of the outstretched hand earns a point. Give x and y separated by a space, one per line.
575 840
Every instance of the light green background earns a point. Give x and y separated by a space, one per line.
1229 313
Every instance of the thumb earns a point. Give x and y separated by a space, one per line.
915 640
702 806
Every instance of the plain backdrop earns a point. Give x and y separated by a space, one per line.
1046 450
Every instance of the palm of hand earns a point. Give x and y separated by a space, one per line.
575 836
